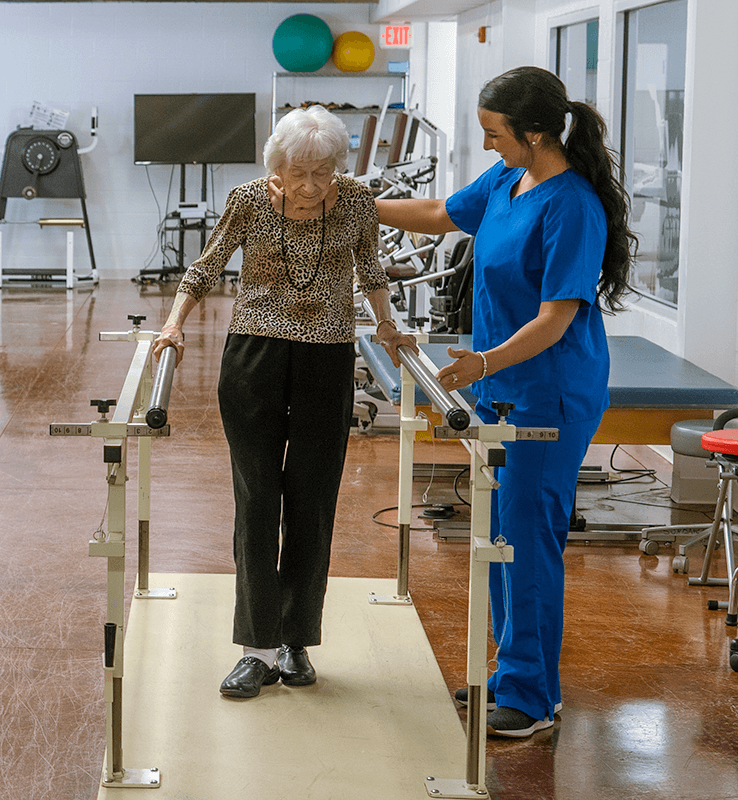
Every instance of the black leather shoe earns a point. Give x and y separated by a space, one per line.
295 668
247 678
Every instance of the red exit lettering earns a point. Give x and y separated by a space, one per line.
397 36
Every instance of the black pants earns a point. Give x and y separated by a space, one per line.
286 408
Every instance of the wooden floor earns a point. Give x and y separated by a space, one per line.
650 703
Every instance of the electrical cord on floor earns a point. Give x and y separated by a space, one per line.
456 486
425 503
395 508
627 499
635 474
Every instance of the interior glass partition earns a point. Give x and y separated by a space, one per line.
654 54
573 55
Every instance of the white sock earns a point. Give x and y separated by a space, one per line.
268 656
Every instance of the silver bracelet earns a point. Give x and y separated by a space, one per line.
484 361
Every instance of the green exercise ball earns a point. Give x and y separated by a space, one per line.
302 43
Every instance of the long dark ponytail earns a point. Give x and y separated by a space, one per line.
534 100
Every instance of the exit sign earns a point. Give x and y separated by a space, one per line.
400 36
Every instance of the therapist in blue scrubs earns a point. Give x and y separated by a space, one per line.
552 250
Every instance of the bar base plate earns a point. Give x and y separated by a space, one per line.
156 594
390 599
134 778
449 787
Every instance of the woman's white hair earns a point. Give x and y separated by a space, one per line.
307 134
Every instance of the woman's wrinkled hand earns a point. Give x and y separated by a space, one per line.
467 368
170 336
275 192
391 339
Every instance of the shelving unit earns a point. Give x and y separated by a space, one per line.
351 95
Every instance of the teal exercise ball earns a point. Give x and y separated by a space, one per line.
302 43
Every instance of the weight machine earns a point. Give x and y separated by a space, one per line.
403 255
140 412
43 164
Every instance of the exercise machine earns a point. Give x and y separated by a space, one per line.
45 164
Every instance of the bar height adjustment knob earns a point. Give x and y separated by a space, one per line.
503 409
103 406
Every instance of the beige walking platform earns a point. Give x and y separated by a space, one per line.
376 724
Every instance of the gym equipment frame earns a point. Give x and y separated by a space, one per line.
484 442
140 413
45 164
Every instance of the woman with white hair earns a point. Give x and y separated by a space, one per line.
286 381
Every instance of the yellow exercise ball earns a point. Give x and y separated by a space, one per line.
353 52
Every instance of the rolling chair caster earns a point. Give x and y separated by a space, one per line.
734 655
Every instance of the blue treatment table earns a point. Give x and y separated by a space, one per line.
650 388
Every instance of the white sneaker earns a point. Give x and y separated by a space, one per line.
516 724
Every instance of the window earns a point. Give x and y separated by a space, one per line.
574 59
654 44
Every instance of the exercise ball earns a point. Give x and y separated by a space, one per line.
302 43
353 52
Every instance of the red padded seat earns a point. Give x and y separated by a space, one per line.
723 441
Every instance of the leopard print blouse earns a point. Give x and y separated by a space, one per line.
305 299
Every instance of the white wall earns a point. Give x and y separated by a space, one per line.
74 56
708 255
476 63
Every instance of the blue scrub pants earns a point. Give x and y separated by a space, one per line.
532 509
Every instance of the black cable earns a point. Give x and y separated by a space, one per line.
667 504
456 484
395 508
628 471
635 474
708 515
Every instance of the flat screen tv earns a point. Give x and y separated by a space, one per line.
194 129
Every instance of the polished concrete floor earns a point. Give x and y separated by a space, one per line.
650 702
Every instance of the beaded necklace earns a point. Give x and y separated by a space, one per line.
284 252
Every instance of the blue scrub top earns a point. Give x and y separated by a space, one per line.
546 244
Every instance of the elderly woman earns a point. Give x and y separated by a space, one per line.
286 381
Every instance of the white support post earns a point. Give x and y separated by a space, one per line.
70 259
142 591
409 424
482 553
116 562
478 614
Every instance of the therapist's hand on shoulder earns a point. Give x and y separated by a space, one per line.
465 370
